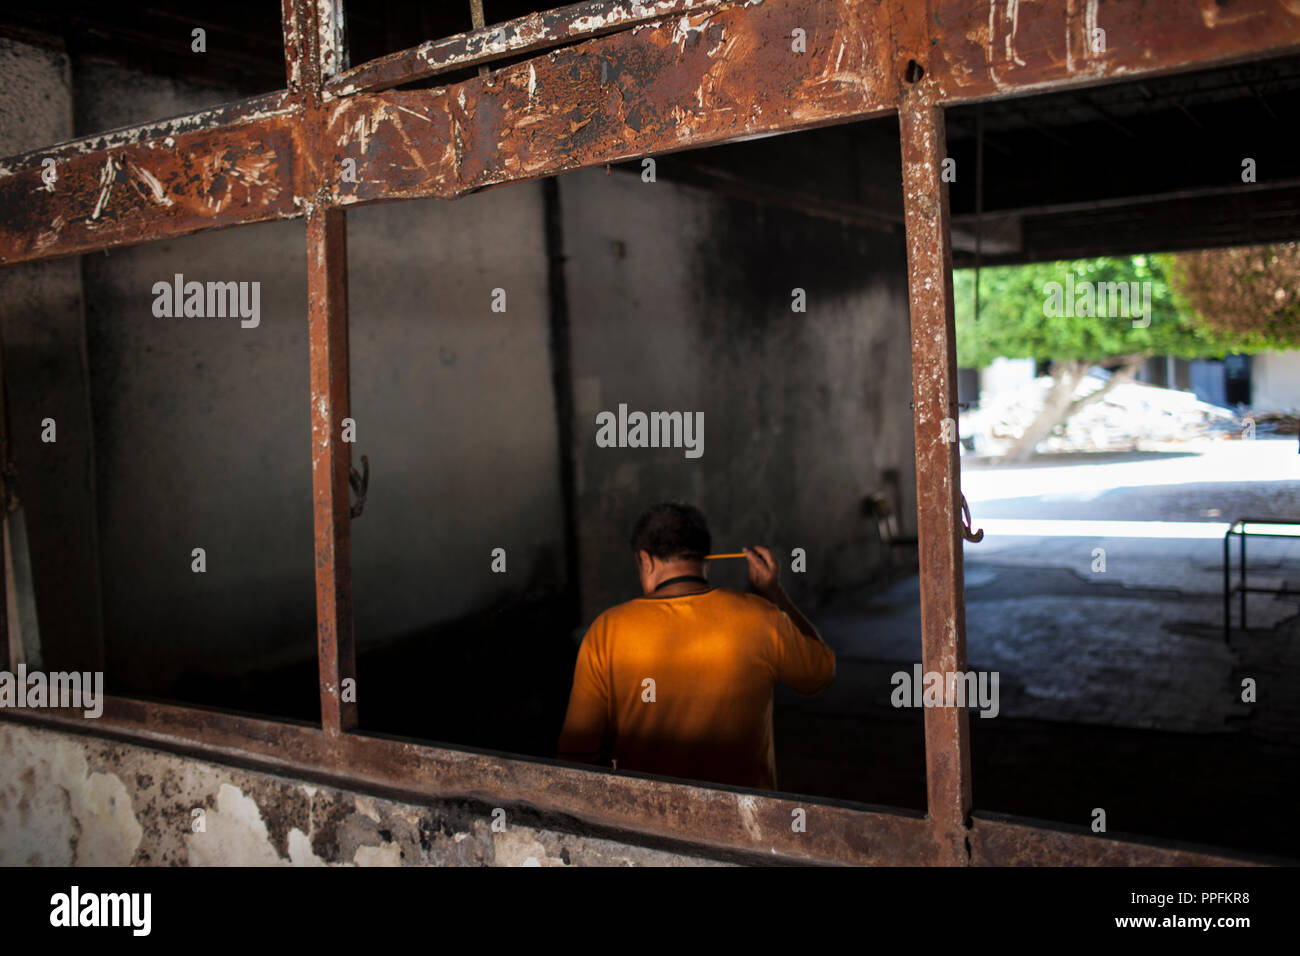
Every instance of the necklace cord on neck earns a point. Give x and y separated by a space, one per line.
683 577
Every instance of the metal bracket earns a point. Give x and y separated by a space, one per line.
360 481
965 523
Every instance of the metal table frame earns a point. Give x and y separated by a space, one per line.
1240 529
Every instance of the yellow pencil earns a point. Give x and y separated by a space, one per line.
711 557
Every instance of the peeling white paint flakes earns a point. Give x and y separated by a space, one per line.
322 415
300 851
583 24
366 805
57 808
681 30
55 812
748 817
234 834
517 848
389 854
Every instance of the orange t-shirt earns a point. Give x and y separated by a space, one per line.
713 659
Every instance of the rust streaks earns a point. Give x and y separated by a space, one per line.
168 184
1013 46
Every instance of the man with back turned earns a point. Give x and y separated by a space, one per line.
679 681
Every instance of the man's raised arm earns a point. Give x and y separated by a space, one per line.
765 580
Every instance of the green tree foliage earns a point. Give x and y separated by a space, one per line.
1202 305
1015 320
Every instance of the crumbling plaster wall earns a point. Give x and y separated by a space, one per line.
66 799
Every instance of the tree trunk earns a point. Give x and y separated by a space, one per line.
1060 404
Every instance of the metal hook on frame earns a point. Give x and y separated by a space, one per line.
965 523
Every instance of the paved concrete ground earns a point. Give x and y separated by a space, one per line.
1114 683
1118 628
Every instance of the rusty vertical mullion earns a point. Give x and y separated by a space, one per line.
7 657
327 326
938 470
313 50
299 58
477 19
314 46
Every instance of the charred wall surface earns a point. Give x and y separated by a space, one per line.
682 300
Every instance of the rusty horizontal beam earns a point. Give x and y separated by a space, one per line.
701 78
537 31
998 840
698 79
232 114
720 820
216 168
999 48
733 71
753 824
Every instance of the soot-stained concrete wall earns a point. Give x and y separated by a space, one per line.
72 800
202 434
680 300
454 407
202 441
42 325
201 426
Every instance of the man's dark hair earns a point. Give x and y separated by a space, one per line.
672 530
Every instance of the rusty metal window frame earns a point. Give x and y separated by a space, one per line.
864 59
